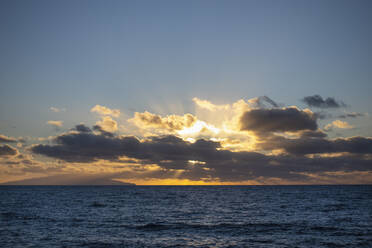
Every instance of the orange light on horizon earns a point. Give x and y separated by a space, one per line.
183 182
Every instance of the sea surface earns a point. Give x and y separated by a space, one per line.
185 216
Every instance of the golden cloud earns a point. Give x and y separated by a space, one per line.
209 106
170 122
338 124
108 124
55 123
102 110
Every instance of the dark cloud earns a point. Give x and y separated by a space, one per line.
265 99
82 128
269 100
313 134
168 151
6 150
351 115
70 179
86 147
319 145
171 152
276 120
6 139
99 129
318 102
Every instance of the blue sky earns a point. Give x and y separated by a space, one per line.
157 56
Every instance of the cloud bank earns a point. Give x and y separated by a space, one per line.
171 153
252 141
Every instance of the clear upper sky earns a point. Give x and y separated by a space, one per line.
133 54
157 56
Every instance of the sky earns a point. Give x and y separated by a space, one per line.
186 92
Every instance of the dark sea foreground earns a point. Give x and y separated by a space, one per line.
186 216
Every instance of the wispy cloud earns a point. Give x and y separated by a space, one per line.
6 139
102 110
56 110
352 115
55 123
337 124
318 102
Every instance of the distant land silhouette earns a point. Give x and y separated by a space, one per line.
69 179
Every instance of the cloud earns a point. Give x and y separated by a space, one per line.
56 110
55 123
351 115
278 120
313 134
257 102
172 156
169 122
6 150
205 104
70 179
103 132
107 124
102 110
82 128
261 101
246 141
6 139
88 147
318 102
315 145
337 124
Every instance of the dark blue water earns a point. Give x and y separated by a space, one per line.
190 216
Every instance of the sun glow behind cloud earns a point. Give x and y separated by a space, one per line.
198 127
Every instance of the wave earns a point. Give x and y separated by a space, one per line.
237 227
97 205
168 226
17 216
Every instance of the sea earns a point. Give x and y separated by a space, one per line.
186 216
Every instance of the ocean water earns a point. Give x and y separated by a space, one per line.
186 216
